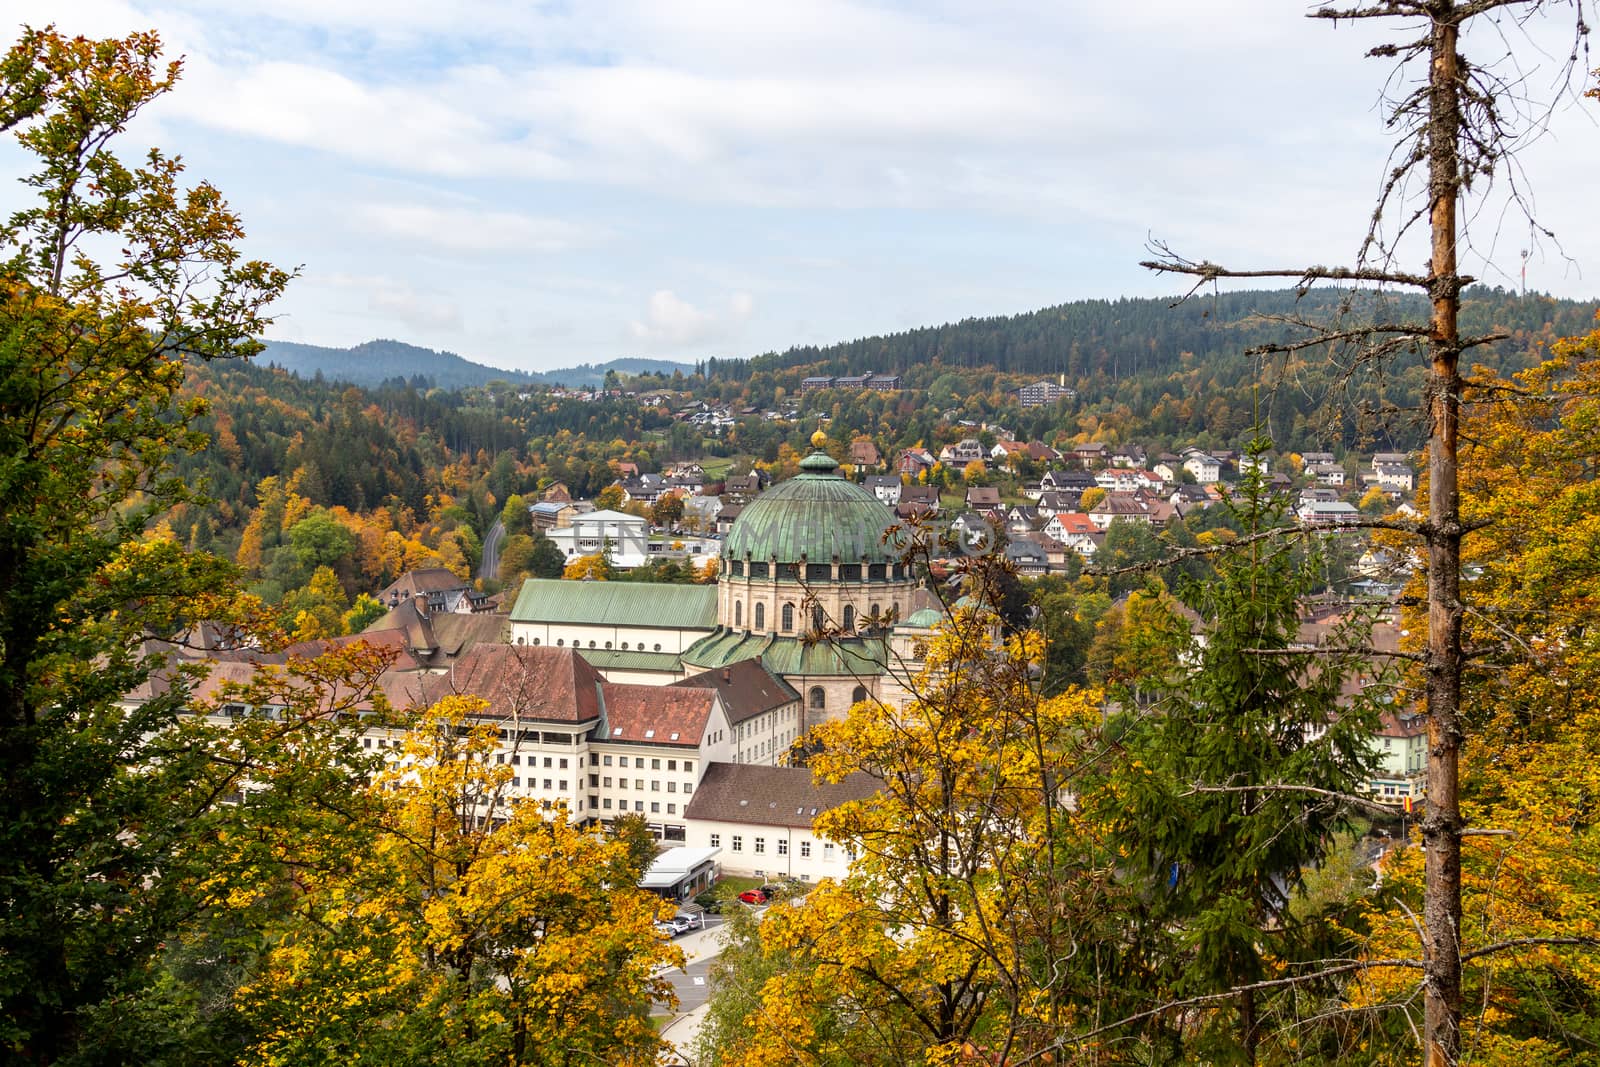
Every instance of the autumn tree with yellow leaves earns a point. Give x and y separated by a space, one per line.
114 274
460 925
973 878
1530 888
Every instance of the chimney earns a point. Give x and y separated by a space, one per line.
421 602
727 674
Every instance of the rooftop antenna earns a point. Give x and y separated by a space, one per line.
1524 273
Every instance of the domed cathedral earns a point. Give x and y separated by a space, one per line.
808 585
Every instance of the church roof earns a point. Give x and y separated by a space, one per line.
788 656
645 604
816 516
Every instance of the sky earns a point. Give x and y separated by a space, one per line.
534 185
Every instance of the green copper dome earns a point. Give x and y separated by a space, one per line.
815 516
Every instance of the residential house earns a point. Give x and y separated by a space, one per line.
552 514
1326 513
886 487
965 451
1055 553
725 517
915 461
1206 469
1090 455
1040 452
1129 455
1332 474
1027 558
984 499
1318 494
1187 498
436 589
865 455
917 500
1402 748
1076 531
742 488
1119 507
1392 471
1060 500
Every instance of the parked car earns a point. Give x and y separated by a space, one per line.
753 896
773 890
684 923
666 929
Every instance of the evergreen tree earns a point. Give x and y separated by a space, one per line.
1236 780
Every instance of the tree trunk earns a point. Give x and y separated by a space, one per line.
1441 826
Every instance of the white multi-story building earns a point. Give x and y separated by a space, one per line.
762 820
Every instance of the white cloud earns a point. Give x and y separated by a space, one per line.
398 301
672 322
463 229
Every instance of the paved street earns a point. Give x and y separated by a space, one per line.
490 565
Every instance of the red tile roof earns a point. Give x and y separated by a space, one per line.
522 681
655 714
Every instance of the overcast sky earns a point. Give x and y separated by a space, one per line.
534 185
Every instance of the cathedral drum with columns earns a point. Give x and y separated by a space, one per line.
809 586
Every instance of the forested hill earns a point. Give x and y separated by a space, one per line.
377 362
1129 337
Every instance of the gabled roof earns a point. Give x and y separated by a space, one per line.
771 796
747 689
655 714
424 580
534 682
983 496
651 604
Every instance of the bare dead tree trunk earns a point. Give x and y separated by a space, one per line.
1441 826
1453 126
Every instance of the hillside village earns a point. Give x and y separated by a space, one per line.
1205 677
811 613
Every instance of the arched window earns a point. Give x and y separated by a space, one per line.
818 619
817 701
738 613
788 617
761 616
859 694
849 618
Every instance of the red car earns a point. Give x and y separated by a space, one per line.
753 896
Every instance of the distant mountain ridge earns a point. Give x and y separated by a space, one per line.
373 362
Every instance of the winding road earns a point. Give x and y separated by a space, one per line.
489 567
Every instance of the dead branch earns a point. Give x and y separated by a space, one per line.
1364 803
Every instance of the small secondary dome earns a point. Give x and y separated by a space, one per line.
816 516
